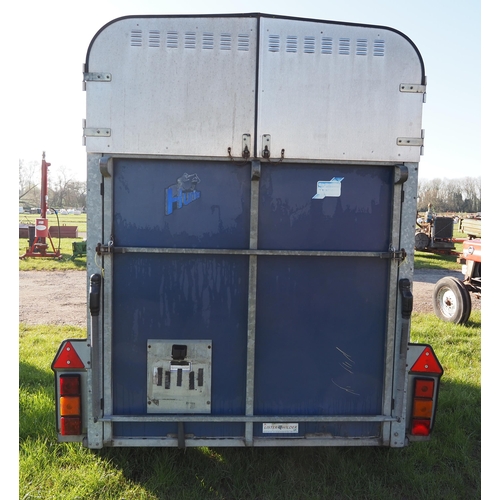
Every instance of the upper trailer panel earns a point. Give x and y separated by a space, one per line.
341 91
195 86
176 86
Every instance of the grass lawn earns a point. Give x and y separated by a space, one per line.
446 467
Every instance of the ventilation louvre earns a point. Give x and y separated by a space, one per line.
136 38
244 42
361 47
327 45
344 46
292 43
225 41
309 44
190 40
208 41
154 38
172 40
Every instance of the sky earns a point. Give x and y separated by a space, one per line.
50 45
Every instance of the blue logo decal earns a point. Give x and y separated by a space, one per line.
183 193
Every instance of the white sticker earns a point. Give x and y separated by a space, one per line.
328 189
280 428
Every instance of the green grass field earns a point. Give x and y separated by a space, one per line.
423 260
447 467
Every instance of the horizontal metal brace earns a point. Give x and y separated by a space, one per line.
279 253
97 132
96 77
247 418
412 88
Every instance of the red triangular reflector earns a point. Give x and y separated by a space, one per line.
68 358
427 363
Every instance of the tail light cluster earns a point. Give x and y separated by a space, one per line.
69 370
424 377
70 405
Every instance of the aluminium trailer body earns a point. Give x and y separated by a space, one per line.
252 187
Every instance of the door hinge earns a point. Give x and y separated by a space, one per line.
95 77
412 88
94 131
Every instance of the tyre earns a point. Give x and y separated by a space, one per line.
451 301
421 241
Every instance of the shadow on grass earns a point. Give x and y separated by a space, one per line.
448 466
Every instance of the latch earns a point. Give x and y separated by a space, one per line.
245 149
266 149
394 254
104 249
266 146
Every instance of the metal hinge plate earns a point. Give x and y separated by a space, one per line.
97 132
96 77
412 88
410 141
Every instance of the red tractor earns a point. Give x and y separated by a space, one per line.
452 297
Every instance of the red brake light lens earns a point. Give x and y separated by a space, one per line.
69 385
424 388
71 426
421 427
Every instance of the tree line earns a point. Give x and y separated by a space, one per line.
63 190
446 195
450 195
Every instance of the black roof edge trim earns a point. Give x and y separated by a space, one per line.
258 15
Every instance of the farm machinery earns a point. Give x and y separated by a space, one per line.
452 297
39 242
435 236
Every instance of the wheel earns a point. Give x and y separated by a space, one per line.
421 241
451 300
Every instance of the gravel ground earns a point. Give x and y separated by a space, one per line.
60 298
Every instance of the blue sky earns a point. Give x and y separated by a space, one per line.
51 44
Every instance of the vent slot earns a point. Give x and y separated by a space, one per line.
244 42
344 46
292 43
172 40
225 41
190 40
379 48
136 38
327 45
154 38
208 41
274 43
361 47
309 44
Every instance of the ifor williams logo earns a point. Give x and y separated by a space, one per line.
183 193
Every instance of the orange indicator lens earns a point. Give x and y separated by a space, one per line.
69 405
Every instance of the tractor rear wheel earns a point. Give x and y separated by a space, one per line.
451 301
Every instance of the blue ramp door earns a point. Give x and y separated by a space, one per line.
186 270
